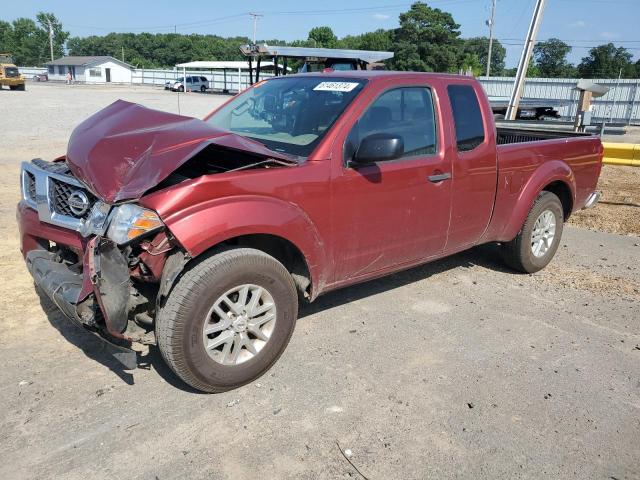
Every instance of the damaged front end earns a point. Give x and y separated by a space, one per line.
101 257
101 267
111 291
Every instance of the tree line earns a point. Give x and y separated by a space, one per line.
427 39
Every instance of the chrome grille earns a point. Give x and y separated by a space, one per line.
60 193
49 188
31 186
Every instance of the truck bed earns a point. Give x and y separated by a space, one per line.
528 157
507 135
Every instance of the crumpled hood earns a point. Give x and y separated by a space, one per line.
125 149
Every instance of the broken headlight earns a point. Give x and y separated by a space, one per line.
130 221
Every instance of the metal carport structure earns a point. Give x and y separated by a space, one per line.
235 65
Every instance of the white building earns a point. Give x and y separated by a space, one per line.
99 69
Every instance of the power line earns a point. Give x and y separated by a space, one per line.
586 47
573 40
211 21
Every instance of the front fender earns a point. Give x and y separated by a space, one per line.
206 224
547 173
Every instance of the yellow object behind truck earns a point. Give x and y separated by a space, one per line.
9 74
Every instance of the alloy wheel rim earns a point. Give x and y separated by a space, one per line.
544 231
239 324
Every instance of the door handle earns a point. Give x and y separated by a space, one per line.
439 177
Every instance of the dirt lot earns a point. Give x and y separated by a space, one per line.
619 208
457 369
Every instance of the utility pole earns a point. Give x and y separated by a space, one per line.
490 24
255 24
523 64
122 53
50 38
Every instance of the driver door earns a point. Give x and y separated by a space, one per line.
394 212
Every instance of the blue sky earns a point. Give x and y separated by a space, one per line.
581 23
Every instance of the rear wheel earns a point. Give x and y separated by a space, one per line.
203 89
538 240
228 319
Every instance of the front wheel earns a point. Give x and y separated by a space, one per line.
228 319
538 240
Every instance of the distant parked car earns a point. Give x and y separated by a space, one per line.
194 83
41 77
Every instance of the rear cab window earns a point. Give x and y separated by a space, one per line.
467 117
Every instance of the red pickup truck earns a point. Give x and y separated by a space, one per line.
202 235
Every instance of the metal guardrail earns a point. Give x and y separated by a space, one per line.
625 154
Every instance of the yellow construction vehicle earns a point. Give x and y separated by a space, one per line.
9 74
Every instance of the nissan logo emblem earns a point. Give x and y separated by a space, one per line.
78 203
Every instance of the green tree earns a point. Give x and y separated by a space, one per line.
427 40
323 37
479 46
380 40
29 43
551 58
6 37
532 71
59 35
607 61
470 61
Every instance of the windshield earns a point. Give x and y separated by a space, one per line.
289 115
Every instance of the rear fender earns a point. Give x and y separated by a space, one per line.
547 173
210 223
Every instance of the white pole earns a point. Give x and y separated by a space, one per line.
491 23
239 73
523 65
255 25
51 39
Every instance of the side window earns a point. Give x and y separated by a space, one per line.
466 116
189 80
203 79
406 112
51 69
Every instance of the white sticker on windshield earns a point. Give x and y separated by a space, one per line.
336 86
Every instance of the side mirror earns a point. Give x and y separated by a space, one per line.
379 147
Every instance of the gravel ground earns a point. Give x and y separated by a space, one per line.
457 369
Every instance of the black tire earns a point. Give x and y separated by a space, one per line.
203 89
180 321
518 253
12 87
181 89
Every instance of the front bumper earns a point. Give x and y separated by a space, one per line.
93 293
12 81
592 200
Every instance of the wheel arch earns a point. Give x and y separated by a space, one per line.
278 228
554 176
562 190
283 250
